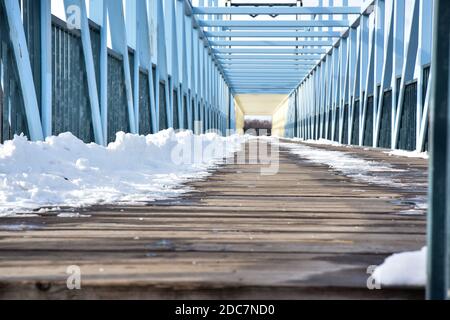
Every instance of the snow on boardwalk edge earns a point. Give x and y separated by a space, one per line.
64 171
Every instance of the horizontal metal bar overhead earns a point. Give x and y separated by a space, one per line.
269 51
265 68
273 34
271 84
262 78
322 43
283 51
261 91
267 88
268 84
263 81
267 10
267 63
274 24
281 76
274 76
292 57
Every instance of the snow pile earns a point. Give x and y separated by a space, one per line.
324 142
348 165
409 154
64 171
403 269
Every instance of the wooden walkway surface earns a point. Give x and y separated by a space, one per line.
306 232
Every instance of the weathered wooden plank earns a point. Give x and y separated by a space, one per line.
306 232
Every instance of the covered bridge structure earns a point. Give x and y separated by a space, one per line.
370 76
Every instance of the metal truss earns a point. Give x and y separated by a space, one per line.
168 45
267 55
357 92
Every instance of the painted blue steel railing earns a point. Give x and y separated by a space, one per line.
63 77
375 64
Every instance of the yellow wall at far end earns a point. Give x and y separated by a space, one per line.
279 119
240 118
259 105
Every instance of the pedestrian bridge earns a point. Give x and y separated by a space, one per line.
342 80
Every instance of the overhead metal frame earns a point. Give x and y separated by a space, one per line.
285 48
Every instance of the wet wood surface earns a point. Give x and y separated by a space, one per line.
306 232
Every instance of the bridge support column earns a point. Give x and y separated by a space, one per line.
439 209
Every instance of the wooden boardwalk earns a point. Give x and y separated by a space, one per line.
306 232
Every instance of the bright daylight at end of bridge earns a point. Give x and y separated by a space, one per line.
224 149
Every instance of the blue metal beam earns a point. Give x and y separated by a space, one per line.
273 77
256 85
272 34
278 24
268 67
278 84
46 67
271 58
262 91
408 68
120 43
90 68
315 43
227 63
270 51
99 14
265 72
267 10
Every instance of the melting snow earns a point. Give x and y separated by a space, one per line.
64 171
409 154
348 165
403 269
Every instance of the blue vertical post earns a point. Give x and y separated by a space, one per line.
90 68
369 84
423 58
120 44
98 13
439 193
149 13
169 36
162 69
410 56
132 31
385 75
181 53
46 67
175 63
398 54
22 57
